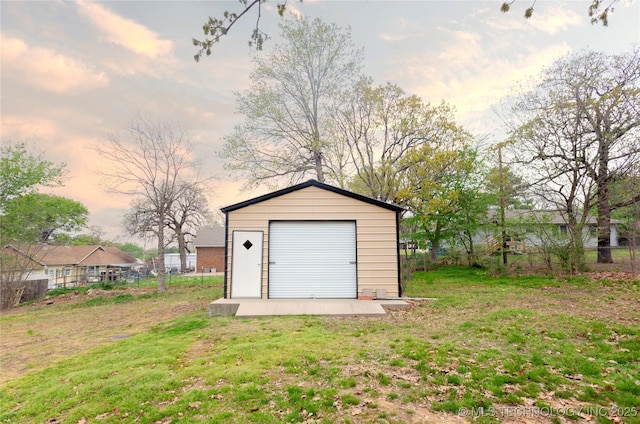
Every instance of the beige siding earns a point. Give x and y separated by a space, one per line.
375 231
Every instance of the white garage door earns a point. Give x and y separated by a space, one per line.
312 259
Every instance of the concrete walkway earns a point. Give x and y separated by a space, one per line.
252 308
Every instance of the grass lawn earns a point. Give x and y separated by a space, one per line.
509 349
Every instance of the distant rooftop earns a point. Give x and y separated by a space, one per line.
77 255
210 237
551 216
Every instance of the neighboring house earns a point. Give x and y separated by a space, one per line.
67 266
312 240
209 244
523 230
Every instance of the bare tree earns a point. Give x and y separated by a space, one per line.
151 161
577 130
546 151
187 213
286 134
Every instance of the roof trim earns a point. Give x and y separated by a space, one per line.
90 253
312 183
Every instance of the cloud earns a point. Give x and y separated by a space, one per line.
125 32
470 76
554 20
548 18
392 37
46 68
401 29
20 128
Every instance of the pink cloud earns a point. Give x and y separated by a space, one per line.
125 32
46 68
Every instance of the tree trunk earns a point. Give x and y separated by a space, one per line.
471 251
161 266
604 207
317 157
505 248
503 206
182 250
435 246
604 239
576 254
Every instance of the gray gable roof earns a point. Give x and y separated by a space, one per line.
550 216
210 237
312 183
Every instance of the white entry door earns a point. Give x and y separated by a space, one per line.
246 264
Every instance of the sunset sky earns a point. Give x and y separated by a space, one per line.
74 72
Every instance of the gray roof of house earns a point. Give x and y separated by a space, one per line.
210 237
551 216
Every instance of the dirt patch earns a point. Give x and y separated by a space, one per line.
612 276
590 302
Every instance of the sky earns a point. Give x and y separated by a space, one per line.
76 72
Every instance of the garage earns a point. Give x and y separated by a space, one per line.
312 241
312 259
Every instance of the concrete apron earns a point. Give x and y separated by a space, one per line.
253 308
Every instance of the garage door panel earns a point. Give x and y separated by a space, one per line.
312 259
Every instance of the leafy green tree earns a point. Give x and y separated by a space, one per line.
23 173
506 190
442 190
26 217
132 249
36 217
377 126
95 236
286 134
503 183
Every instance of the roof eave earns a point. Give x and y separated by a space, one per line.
311 183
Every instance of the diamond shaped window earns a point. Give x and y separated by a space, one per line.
247 244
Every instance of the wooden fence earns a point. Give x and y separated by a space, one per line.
12 293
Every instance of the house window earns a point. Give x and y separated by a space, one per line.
563 229
51 272
593 231
67 272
